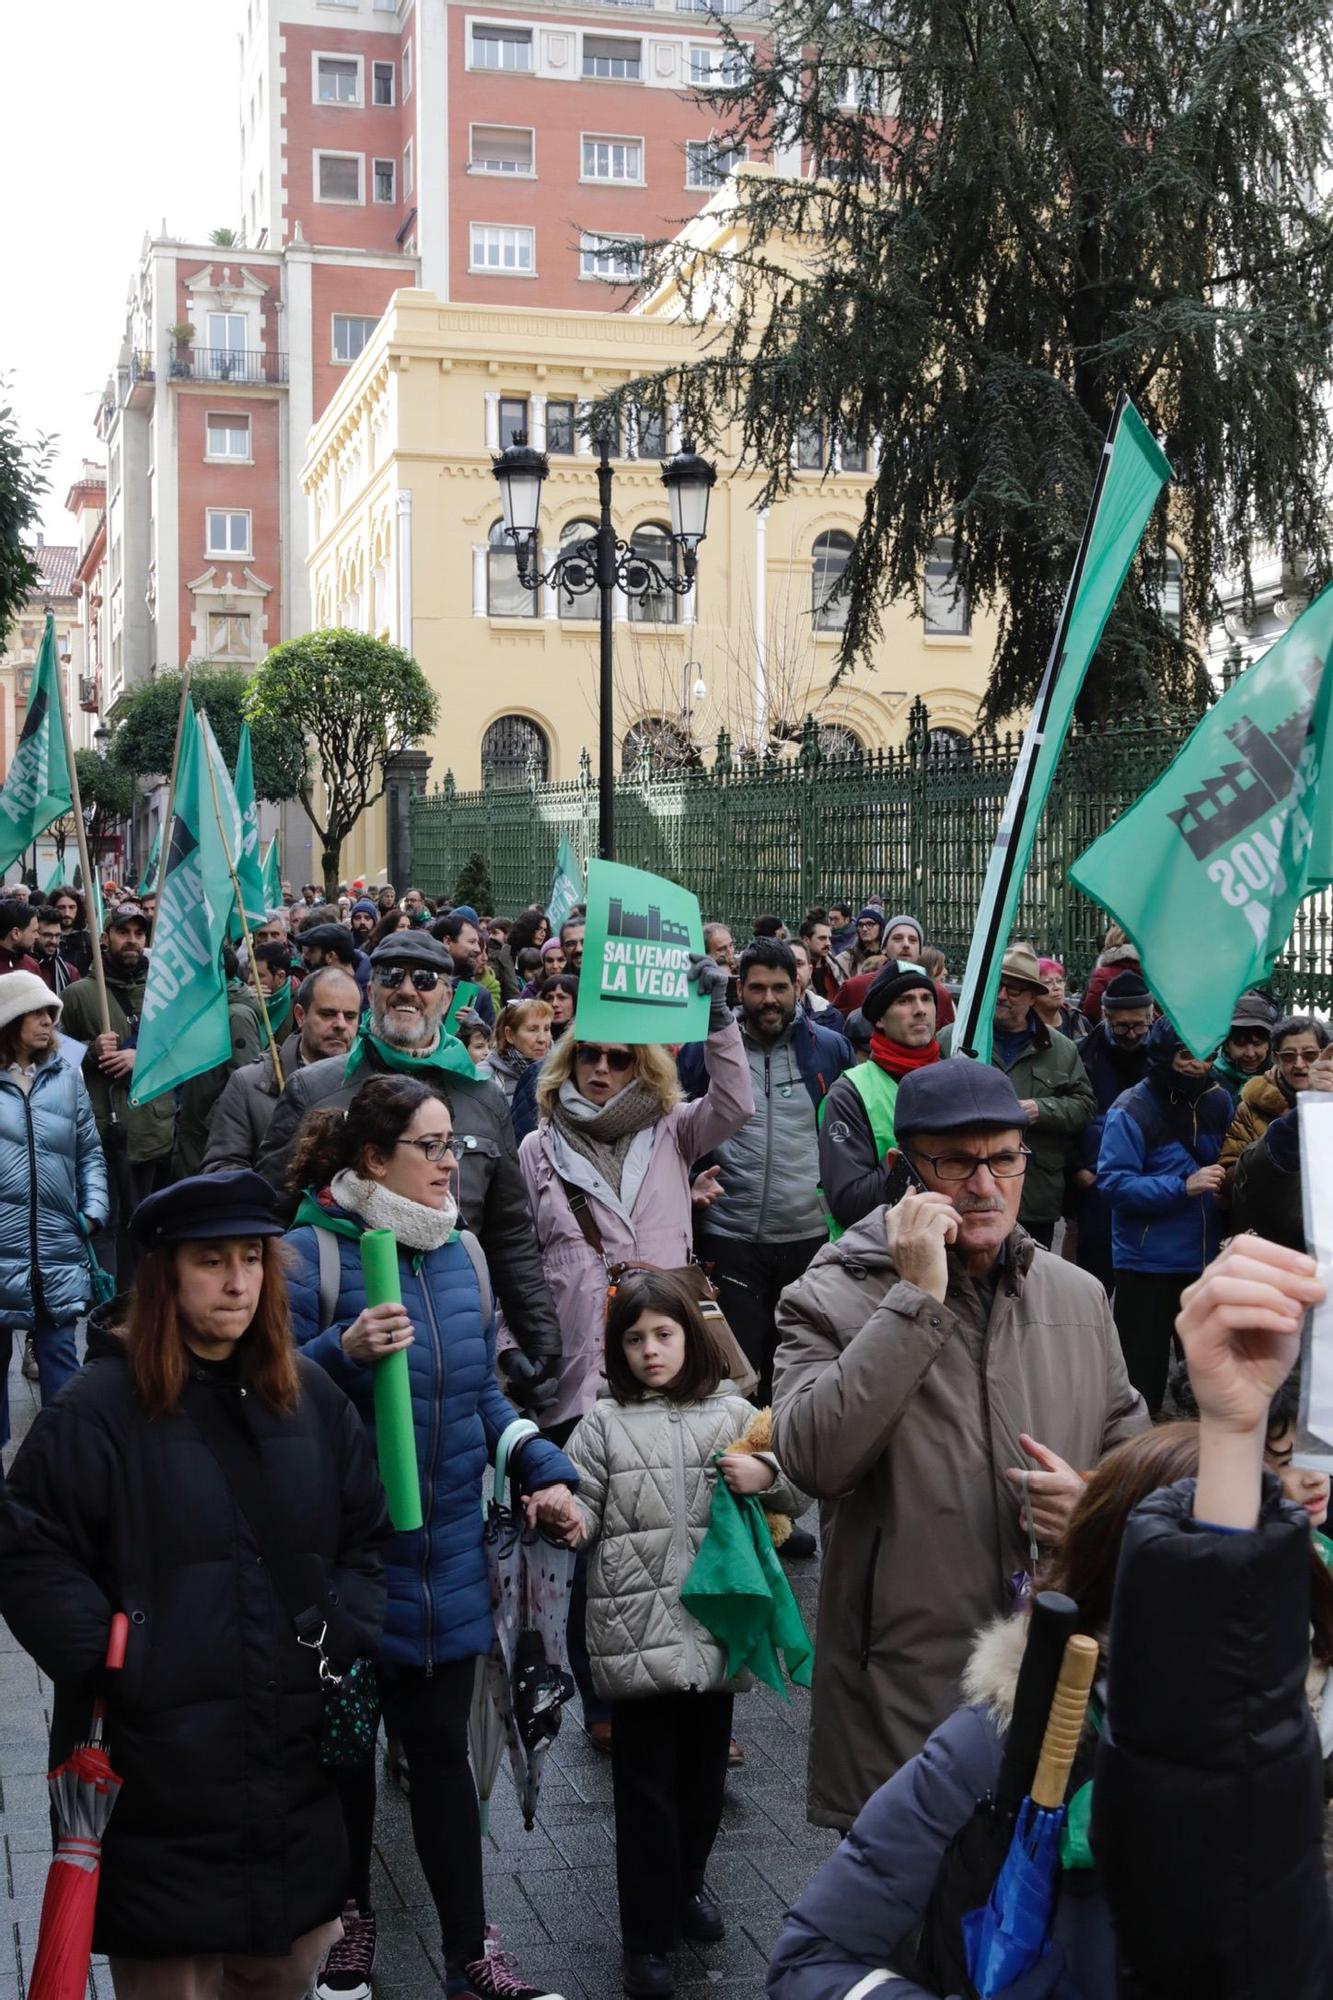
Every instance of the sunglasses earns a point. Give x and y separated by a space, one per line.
618 1061
424 977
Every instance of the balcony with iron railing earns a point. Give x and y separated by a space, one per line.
245 365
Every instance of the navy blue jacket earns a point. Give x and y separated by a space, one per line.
821 1056
1110 1074
439 1595
1154 1139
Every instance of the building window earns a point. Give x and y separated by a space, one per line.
667 744
837 740
227 533
1171 593
222 358
496 47
612 159
831 554
408 172
701 68
384 179
612 57
512 747
407 71
619 260
649 432
500 149
947 611
513 417
948 743
226 436
351 331
809 447
578 604
658 607
495 247
708 164
338 177
561 429
337 80
505 595
382 82
229 635
853 457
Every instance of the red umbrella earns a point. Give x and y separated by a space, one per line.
84 1790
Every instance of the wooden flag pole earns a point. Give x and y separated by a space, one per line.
81 835
164 847
245 926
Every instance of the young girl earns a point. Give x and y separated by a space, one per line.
645 1456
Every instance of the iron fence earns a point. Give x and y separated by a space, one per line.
913 824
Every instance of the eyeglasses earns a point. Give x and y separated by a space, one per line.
618 1061
424 977
434 1150
1005 1165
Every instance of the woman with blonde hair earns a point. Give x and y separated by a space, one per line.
522 1037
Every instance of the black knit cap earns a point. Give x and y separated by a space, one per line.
899 976
1127 989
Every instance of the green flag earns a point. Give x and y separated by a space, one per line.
1132 474
1206 871
56 880
271 871
148 880
636 953
566 884
96 911
249 869
37 787
184 1028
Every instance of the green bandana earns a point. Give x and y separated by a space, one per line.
279 1007
448 1055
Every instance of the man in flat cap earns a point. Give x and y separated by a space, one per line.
929 1360
404 1035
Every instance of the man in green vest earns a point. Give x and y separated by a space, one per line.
856 1118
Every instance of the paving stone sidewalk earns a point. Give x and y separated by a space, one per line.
552 1891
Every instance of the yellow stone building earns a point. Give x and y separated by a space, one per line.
406 544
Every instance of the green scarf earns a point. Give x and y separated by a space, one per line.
279 1007
737 1590
448 1056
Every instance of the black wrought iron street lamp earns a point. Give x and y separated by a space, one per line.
603 563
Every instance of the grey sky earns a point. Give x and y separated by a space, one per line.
112 118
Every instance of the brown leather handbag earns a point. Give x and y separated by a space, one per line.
737 1365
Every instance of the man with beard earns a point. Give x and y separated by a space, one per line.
137 1139
571 938
18 936
1115 1056
362 920
927 1361
55 969
856 1121
460 935
327 1012
411 987
768 1222
76 947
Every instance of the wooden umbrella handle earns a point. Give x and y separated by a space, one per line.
1064 1726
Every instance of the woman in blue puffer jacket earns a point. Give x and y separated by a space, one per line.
390 1164
51 1173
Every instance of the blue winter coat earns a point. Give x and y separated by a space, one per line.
48 1148
439 1596
868 1899
1153 1142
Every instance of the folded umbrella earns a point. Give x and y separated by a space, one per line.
1007 1936
737 1590
83 1790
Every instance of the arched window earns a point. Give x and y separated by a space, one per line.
837 740
512 743
670 745
505 595
1171 592
578 604
659 606
944 742
945 597
830 557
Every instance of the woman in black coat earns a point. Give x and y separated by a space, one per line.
202 1478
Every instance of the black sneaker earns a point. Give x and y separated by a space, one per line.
347 1969
799 1544
647 1977
31 1372
701 1920
496 1977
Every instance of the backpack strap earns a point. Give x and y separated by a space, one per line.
477 1259
330 1275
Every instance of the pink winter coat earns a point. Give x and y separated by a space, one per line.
658 1228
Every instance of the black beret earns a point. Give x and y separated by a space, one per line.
956 1095
207 1206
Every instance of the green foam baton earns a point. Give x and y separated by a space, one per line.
395 1439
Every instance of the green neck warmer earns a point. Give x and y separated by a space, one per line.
448 1055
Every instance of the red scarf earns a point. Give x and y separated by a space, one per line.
898 1061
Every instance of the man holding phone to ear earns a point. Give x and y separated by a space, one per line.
932 1363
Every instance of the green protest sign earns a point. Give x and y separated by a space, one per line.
633 986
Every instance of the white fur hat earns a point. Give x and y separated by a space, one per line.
23 993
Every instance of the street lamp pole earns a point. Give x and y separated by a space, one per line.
605 564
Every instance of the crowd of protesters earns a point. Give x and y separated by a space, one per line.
950 1293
